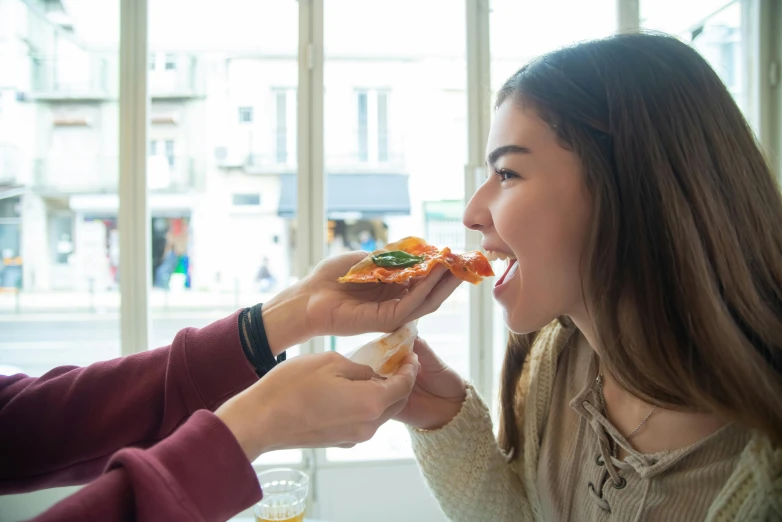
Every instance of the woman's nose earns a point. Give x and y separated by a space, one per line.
476 214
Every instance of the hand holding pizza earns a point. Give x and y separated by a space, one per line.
357 293
336 308
320 305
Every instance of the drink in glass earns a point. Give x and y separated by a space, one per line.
284 495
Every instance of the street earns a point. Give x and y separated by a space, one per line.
36 342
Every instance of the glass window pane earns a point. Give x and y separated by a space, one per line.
398 164
222 205
521 30
59 294
714 28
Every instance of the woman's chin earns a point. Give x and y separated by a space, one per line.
521 324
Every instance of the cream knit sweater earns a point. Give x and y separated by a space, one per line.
472 480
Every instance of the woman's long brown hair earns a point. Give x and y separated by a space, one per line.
682 273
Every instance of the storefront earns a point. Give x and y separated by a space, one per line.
357 206
171 252
170 249
97 241
10 239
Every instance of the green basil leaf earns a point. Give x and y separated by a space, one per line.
397 259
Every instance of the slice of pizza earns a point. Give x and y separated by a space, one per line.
413 257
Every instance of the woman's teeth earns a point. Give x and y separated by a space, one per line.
493 255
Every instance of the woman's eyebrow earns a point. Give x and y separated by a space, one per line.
499 152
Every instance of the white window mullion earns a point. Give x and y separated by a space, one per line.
133 218
310 213
478 121
628 15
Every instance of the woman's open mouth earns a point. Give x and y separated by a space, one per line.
511 269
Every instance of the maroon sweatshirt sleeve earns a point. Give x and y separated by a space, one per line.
64 427
199 473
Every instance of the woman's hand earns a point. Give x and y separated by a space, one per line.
319 305
316 401
438 393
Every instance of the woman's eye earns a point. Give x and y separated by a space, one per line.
505 175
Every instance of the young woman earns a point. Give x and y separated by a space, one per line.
643 227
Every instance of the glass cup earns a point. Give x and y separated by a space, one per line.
284 495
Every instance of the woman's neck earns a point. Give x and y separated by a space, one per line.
665 429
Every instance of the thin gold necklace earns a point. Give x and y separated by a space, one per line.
599 384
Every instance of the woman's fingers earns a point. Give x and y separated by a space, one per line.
426 356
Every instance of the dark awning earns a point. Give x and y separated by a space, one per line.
371 195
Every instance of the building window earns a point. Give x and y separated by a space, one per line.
170 153
245 114
170 62
382 127
246 200
363 128
281 138
152 61
372 129
161 147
